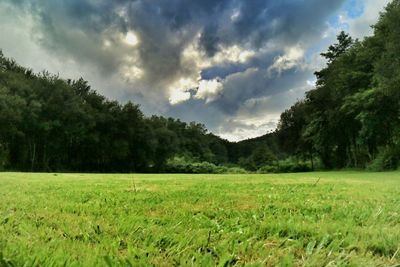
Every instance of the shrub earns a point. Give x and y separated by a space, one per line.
387 159
286 166
236 170
187 165
261 156
269 169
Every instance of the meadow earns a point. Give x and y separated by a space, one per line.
305 219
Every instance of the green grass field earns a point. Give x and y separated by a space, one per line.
344 219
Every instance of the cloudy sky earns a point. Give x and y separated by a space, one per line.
233 65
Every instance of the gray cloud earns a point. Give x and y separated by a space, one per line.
77 27
256 83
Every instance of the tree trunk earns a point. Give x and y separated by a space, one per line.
33 155
312 161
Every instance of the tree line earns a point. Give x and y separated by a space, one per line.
51 124
350 120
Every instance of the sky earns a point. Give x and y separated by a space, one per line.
233 65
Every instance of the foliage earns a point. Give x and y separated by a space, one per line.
286 166
352 117
189 165
260 156
388 158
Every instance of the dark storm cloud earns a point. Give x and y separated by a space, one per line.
166 27
259 21
256 83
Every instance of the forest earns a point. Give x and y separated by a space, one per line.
350 120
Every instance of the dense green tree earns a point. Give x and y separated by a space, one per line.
260 156
291 132
352 116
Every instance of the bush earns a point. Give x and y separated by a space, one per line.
387 159
260 156
285 166
187 165
268 169
236 170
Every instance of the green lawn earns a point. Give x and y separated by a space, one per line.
344 219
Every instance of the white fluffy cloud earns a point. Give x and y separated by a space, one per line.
293 57
209 90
